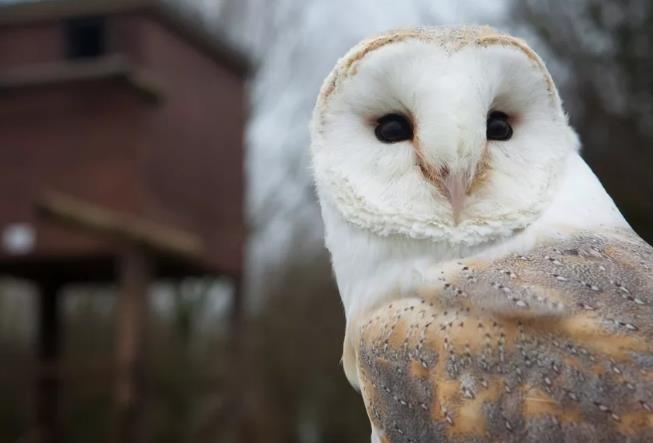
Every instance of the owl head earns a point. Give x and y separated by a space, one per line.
453 135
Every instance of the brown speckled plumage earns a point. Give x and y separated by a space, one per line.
551 346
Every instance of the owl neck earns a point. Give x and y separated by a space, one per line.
371 269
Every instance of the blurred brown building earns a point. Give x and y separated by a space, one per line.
121 158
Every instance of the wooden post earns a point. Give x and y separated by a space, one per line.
237 317
235 388
135 269
135 273
48 352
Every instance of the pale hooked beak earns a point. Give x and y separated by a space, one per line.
455 185
455 188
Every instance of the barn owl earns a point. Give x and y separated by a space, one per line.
492 290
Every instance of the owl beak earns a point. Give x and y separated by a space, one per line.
455 187
455 184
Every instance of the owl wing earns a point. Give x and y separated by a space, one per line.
555 345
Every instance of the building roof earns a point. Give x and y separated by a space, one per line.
46 10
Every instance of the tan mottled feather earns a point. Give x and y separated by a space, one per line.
555 345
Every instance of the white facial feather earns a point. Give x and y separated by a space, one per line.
386 222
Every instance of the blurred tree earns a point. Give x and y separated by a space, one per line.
607 47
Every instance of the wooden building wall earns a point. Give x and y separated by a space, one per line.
178 161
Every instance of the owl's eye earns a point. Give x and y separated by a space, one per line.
498 127
393 128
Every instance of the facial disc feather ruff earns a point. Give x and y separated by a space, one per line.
371 190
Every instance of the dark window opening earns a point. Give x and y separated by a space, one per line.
85 37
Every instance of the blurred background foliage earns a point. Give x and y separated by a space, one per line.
291 384
606 47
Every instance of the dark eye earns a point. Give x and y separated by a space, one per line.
498 127
393 128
